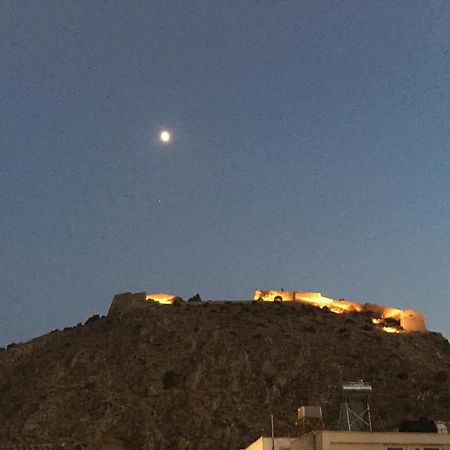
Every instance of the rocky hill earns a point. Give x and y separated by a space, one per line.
208 375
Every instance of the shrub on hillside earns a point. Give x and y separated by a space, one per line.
403 375
93 318
441 376
171 379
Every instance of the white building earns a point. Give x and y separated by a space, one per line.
352 440
267 443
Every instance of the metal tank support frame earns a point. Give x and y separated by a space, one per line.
355 409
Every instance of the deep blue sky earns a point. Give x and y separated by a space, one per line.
311 153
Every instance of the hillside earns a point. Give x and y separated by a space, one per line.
207 375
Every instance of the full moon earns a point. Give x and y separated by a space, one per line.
165 136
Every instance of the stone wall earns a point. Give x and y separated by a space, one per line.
409 320
128 302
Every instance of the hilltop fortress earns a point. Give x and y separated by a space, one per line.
407 319
392 320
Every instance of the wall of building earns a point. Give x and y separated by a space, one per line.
413 321
128 302
257 445
265 443
345 440
409 320
310 441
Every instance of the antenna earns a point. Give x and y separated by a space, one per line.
273 432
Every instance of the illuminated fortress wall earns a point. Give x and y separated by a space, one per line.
384 316
127 302
409 320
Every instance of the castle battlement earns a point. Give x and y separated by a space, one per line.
129 301
407 319
392 320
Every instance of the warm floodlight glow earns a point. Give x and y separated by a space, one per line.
391 330
165 136
386 329
391 320
163 299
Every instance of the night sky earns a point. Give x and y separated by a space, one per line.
310 152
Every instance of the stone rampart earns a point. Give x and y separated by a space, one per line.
408 319
129 302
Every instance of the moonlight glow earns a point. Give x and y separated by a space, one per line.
165 136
